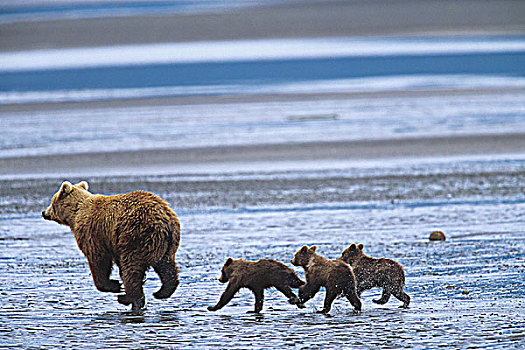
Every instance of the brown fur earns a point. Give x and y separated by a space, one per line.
134 230
336 276
372 272
257 276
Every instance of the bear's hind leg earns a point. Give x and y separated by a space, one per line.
402 296
331 294
384 297
133 278
292 298
168 273
259 300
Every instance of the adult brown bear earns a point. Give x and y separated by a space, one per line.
134 230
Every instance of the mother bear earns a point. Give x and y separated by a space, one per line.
134 230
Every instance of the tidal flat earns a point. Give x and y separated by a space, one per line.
466 292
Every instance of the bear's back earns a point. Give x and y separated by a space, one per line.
138 207
265 273
324 271
371 271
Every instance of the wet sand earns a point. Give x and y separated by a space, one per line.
229 156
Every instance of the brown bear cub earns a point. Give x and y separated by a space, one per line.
335 275
372 272
257 276
134 230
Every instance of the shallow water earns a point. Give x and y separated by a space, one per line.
43 132
466 292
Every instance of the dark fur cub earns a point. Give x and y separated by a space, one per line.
335 275
372 272
257 276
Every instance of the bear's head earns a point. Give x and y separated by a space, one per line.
65 202
303 255
352 253
227 270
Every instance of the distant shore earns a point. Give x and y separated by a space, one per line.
330 18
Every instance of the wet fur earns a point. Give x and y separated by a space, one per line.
373 272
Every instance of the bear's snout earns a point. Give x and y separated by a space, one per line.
45 216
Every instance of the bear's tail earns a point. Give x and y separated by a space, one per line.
173 237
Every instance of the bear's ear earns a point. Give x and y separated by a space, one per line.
360 246
313 248
66 188
83 184
228 262
353 247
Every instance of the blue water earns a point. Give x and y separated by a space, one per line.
249 73
265 66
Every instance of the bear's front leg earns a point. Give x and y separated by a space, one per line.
138 304
385 297
100 266
225 298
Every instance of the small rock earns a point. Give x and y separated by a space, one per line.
465 292
437 236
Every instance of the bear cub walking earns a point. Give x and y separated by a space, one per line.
335 275
257 276
372 272
134 230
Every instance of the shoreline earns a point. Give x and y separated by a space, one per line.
250 98
232 157
315 19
